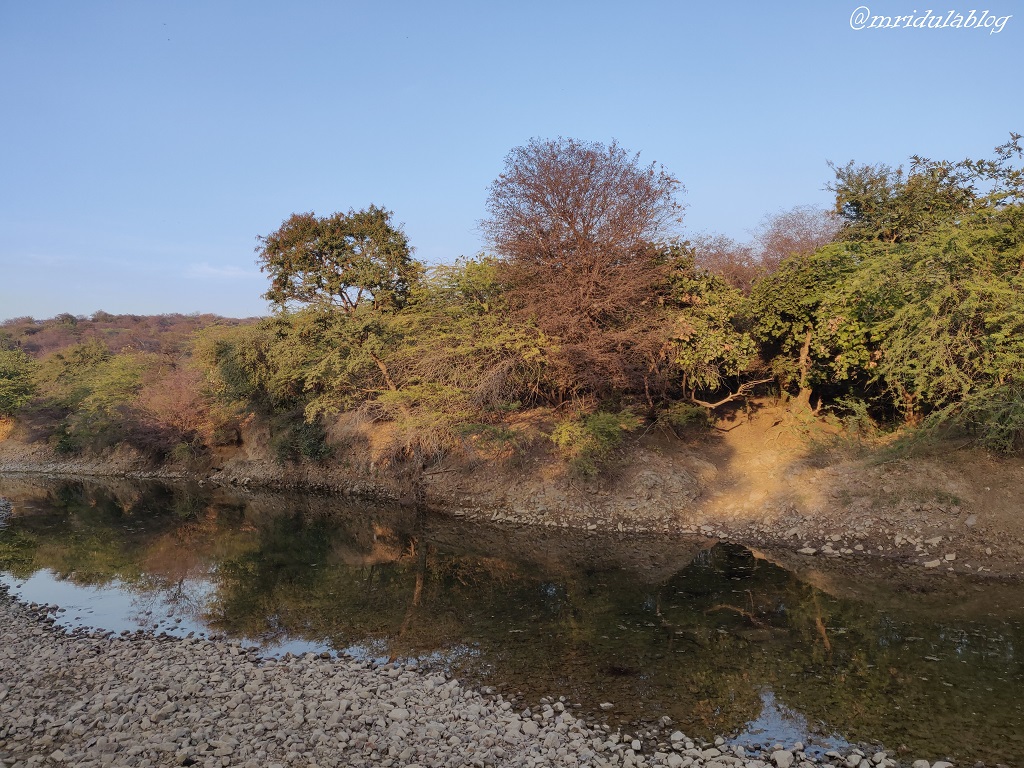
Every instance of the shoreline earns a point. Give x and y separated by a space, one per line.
90 698
932 538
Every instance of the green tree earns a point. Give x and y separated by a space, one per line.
917 306
805 323
339 261
951 337
64 377
710 345
892 205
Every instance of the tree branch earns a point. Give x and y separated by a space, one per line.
741 392
384 372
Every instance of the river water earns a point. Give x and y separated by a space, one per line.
719 638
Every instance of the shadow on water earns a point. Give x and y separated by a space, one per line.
717 637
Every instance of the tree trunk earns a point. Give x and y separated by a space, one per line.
384 372
803 398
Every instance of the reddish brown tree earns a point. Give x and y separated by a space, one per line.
736 263
797 231
580 228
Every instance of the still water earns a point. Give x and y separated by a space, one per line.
721 639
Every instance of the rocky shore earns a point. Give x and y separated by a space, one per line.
86 698
754 481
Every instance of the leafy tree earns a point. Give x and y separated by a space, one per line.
459 333
332 361
950 337
64 376
878 202
341 261
919 307
16 385
808 330
113 385
709 344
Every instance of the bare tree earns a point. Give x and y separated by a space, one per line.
562 201
579 228
797 231
737 263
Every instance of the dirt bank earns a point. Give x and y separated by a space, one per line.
763 479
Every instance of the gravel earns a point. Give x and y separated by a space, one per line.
87 698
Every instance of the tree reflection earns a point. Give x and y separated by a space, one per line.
701 637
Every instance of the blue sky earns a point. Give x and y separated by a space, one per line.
146 145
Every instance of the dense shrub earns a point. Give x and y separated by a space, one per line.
588 441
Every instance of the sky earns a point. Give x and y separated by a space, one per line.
145 146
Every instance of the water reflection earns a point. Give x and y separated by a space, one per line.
718 638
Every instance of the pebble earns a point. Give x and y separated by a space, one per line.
152 700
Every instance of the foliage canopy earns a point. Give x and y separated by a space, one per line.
905 303
343 260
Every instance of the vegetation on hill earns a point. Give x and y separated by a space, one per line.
589 316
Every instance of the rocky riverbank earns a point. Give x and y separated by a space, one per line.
85 698
757 480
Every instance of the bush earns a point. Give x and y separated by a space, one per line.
586 443
16 386
294 439
994 417
686 416
64 442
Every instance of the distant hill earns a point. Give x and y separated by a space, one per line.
145 333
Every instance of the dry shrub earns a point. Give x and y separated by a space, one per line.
176 400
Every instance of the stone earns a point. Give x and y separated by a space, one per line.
143 700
